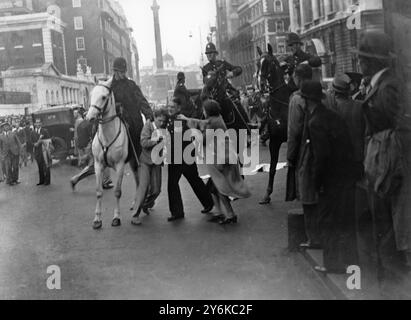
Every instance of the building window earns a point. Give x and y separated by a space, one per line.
332 41
321 8
278 6
80 45
76 3
78 23
280 26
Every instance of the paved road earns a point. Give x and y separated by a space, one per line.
191 259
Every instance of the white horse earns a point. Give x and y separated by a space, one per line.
110 145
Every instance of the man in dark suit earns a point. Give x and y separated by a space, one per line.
179 167
383 110
334 180
11 149
40 134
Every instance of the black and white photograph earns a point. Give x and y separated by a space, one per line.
207 155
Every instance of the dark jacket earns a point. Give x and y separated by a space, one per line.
352 113
133 103
11 144
187 107
44 134
382 106
221 66
333 153
176 137
294 60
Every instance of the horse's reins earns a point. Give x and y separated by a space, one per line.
214 93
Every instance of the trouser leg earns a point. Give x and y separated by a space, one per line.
311 224
191 174
173 189
144 183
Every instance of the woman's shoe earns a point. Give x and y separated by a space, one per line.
232 220
265 200
217 218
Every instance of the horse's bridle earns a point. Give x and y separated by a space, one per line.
102 110
270 90
100 120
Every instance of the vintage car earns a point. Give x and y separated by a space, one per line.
59 121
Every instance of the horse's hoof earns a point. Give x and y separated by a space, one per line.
116 222
266 200
146 211
97 225
136 222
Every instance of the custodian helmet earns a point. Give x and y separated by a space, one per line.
211 48
120 64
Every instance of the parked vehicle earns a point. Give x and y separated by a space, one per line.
59 121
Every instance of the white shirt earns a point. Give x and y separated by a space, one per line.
376 77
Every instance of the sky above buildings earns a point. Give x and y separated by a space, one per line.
178 20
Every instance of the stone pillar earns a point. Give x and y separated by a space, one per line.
157 34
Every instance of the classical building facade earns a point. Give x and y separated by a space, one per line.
32 39
47 87
331 28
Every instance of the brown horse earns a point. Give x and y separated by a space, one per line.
272 84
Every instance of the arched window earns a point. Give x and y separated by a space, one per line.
47 97
57 98
63 95
278 6
52 98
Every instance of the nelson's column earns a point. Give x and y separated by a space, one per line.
162 81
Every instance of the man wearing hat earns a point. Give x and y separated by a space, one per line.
339 100
11 147
39 135
133 103
181 92
332 165
298 56
383 110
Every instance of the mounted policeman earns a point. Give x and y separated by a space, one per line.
133 104
298 56
217 87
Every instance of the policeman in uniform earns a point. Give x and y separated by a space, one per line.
129 96
225 87
298 57
216 65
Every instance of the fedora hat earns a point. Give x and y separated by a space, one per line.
312 90
355 77
341 83
375 44
293 38
4 124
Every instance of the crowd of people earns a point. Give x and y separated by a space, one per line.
353 138
353 135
